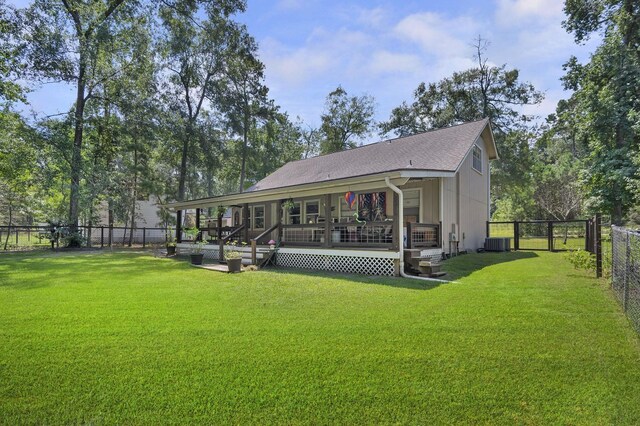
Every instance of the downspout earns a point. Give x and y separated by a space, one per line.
400 234
441 195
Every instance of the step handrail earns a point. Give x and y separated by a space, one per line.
254 242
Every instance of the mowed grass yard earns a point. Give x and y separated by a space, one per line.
103 338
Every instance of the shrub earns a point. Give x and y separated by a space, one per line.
581 259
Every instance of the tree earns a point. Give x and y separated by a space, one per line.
194 48
241 94
10 49
607 100
17 168
484 91
65 39
311 138
345 118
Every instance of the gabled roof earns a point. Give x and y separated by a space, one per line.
441 150
436 153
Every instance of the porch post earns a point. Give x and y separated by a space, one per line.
396 221
279 219
179 226
198 218
220 241
245 217
327 221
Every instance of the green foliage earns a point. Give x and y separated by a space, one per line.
10 50
74 239
581 259
606 101
345 118
483 91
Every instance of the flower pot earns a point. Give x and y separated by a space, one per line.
234 265
272 246
171 250
196 259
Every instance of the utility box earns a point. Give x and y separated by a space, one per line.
497 244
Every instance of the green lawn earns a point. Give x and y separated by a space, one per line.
521 338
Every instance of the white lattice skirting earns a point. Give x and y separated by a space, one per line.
346 261
355 262
210 252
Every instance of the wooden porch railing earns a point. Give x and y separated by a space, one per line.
421 235
342 234
254 242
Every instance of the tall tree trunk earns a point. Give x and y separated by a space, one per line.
76 157
183 163
6 241
134 194
245 140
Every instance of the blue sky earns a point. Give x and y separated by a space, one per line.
386 48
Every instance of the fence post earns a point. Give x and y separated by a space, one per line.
144 237
598 245
550 235
586 236
110 234
101 236
17 233
516 235
627 271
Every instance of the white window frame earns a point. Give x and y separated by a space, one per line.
301 215
317 215
473 158
253 216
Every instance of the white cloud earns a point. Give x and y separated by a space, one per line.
387 62
294 67
372 17
511 13
436 34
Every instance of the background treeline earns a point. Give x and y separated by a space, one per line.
171 102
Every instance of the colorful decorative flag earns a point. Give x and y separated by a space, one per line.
350 198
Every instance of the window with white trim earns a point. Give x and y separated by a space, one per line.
477 158
294 214
311 211
258 217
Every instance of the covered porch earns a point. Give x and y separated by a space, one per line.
355 225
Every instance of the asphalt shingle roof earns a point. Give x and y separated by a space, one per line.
436 150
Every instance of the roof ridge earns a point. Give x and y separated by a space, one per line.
386 141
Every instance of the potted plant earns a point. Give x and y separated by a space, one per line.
233 257
197 245
171 242
272 244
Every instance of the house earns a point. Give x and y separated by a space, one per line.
362 210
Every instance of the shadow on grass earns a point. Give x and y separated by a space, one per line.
396 282
35 271
464 265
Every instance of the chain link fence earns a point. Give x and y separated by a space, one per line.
625 271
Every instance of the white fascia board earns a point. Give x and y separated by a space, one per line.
425 174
